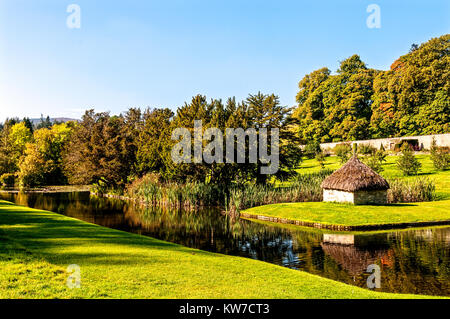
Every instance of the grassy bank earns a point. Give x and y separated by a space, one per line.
37 246
350 215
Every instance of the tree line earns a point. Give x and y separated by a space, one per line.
356 103
116 149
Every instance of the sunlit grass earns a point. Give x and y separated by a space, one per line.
351 215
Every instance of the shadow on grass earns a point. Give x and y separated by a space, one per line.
399 205
425 174
62 240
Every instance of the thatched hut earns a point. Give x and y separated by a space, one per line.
355 183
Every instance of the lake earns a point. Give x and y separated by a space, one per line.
412 261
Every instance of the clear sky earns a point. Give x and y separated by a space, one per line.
161 53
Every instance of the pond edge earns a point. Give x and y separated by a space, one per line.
336 227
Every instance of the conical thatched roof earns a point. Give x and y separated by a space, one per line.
355 176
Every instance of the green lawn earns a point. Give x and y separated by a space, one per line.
37 246
349 215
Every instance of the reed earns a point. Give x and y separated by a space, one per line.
420 189
188 196
304 188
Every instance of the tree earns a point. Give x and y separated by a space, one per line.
265 111
6 162
366 149
131 127
45 123
311 106
360 103
42 160
103 147
312 149
28 124
320 157
407 162
412 97
414 47
343 151
18 137
439 156
375 159
152 140
336 107
259 111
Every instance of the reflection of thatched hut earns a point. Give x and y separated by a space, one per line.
355 183
356 252
353 259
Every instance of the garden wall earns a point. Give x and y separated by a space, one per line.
389 143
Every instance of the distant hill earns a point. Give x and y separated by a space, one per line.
53 120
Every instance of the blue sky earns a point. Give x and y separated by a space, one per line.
161 53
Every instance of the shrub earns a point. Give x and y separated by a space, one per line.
409 191
408 163
320 157
343 151
375 160
312 149
439 156
8 180
366 149
441 160
100 188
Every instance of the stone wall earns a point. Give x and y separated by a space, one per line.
389 143
331 195
357 198
372 197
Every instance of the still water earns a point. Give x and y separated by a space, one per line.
412 261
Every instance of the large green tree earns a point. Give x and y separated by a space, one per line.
336 107
103 147
412 98
259 111
152 140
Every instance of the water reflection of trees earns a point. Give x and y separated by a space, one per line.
409 262
414 261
